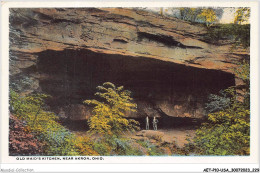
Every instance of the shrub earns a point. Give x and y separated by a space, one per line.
60 142
109 113
84 146
189 14
243 72
122 146
151 148
238 34
42 124
102 148
115 145
22 142
227 131
217 102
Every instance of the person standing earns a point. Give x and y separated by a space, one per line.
155 122
147 123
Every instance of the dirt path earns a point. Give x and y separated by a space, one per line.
178 135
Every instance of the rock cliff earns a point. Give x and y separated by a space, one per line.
164 61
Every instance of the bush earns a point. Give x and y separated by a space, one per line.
151 148
60 142
123 146
109 116
239 34
22 142
102 148
42 124
55 140
217 102
227 131
84 146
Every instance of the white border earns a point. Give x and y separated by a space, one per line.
253 158
80 4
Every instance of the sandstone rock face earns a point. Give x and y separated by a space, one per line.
68 52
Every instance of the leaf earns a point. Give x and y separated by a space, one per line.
108 117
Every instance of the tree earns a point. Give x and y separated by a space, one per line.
109 113
242 15
161 11
189 14
208 16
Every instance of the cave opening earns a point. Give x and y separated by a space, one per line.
167 123
174 93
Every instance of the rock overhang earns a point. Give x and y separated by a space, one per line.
125 33
118 31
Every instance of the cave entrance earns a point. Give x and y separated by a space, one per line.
169 122
162 89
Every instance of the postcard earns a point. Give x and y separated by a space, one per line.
103 83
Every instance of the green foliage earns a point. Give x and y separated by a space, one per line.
21 82
227 132
242 15
217 102
110 122
84 146
23 104
30 109
238 34
208 16
114 145
102 148
109 114
243 72
60 141
43 124
190 14
151 148
201 15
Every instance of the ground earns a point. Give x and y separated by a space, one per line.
168 141
177 136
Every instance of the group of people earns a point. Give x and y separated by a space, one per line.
155 122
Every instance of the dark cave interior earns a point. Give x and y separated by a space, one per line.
71 76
